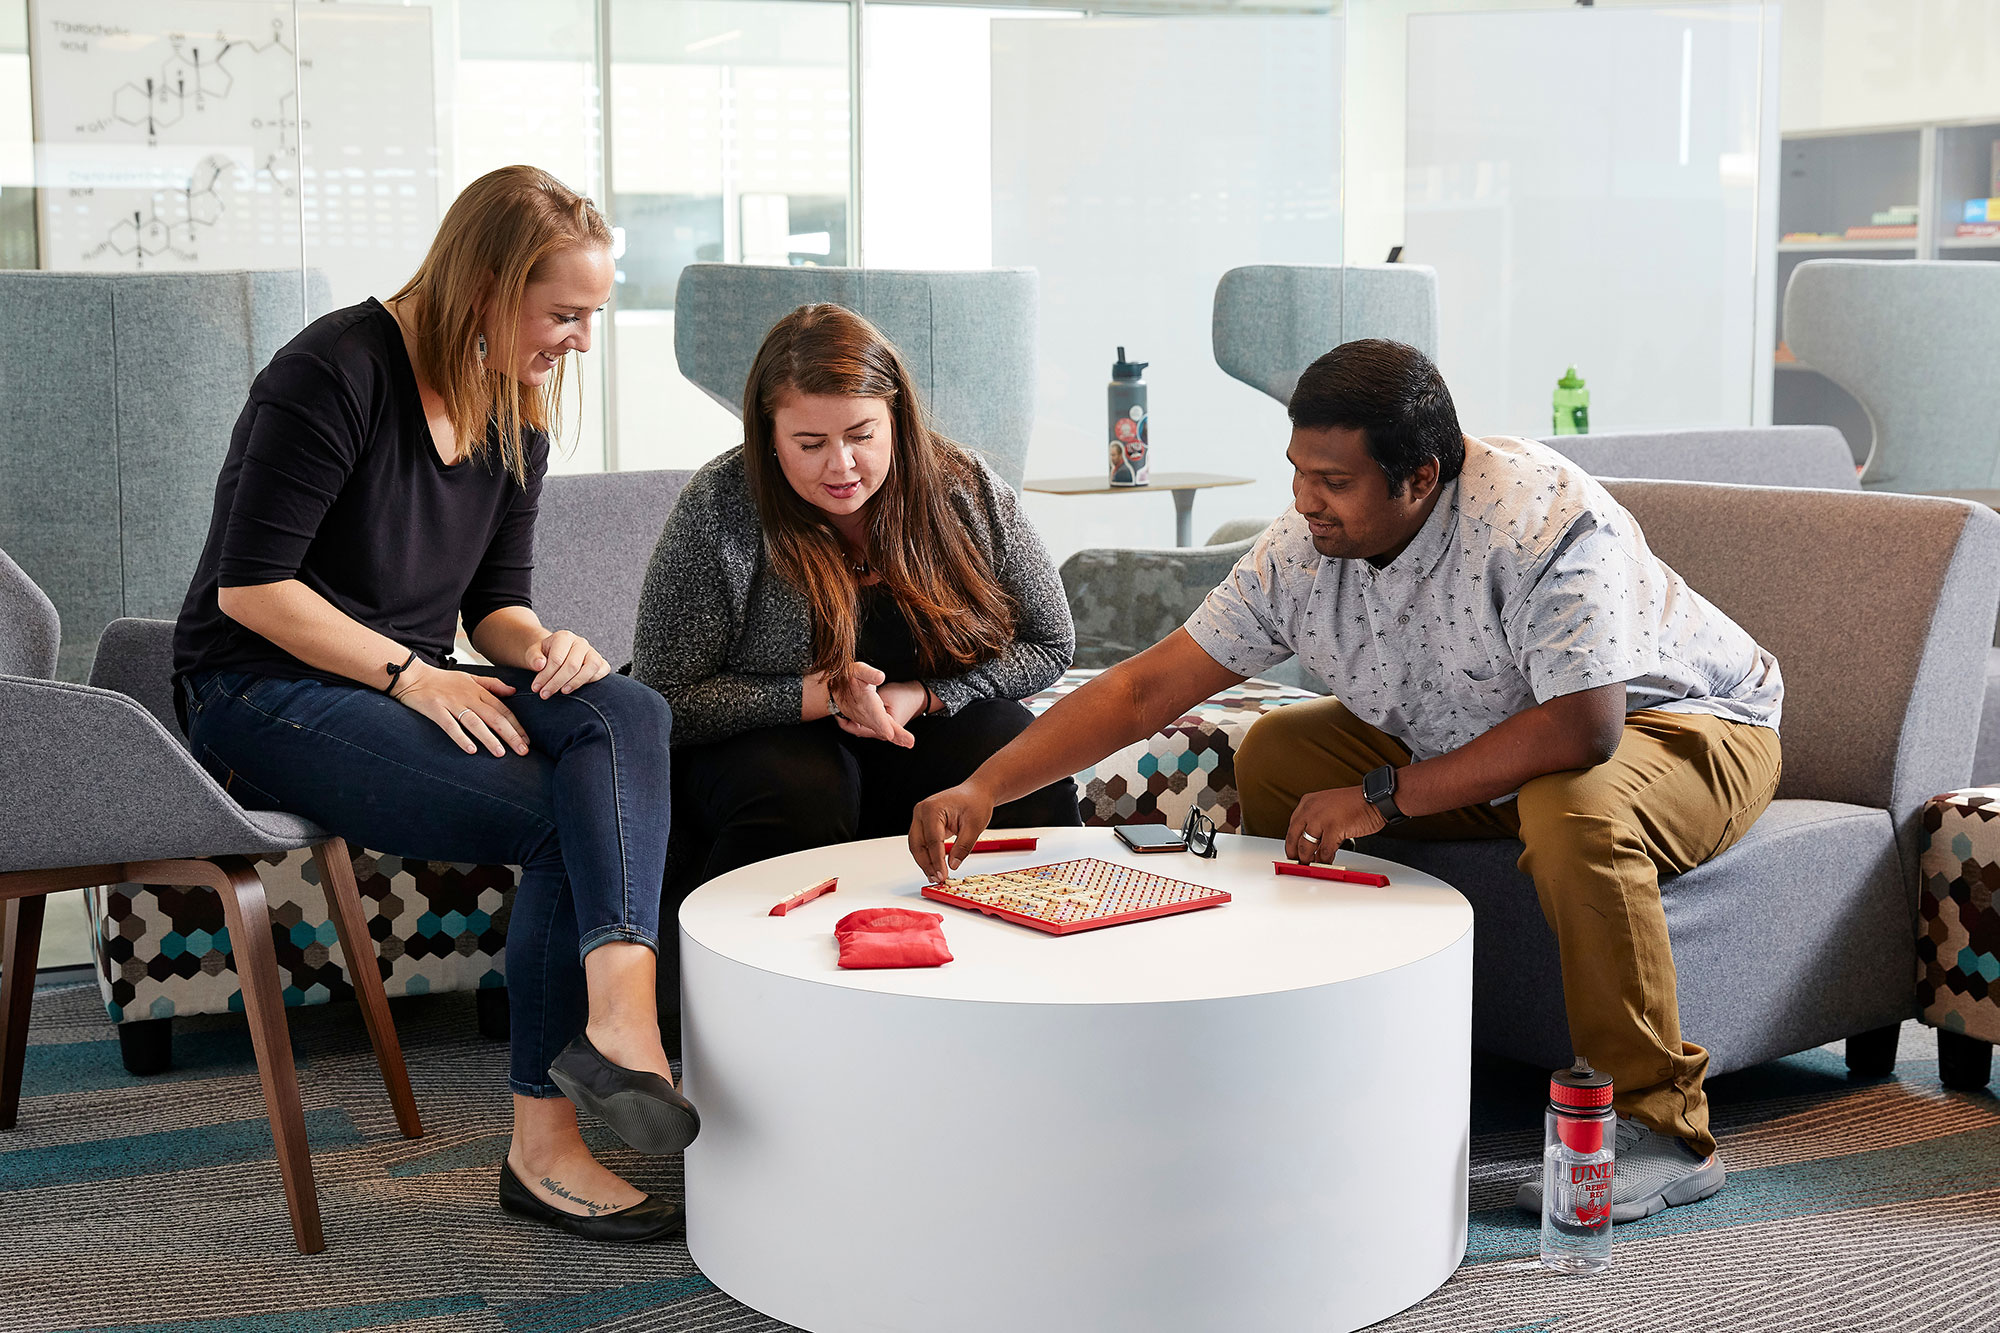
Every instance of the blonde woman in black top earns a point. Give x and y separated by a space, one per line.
381 484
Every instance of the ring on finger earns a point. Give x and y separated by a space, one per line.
459 716
1310 838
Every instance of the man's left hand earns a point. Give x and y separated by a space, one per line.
1324 818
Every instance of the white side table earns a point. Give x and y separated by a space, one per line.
1248 1117
1182 484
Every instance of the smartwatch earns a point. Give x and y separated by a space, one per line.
1379 790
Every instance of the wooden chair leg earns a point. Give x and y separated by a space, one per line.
236 881
343 900
20 950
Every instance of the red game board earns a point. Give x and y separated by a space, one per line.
1070 896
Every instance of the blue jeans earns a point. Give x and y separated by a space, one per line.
583 813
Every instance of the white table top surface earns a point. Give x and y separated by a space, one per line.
1279 933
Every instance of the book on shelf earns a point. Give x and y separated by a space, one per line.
1979 229
1981 210
1808 237
1901 215
1897 233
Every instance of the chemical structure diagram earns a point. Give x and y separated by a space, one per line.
196 73
148 235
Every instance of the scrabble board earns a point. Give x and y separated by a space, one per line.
1070 896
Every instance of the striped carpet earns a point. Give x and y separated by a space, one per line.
153 1204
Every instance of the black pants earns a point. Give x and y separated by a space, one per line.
784 789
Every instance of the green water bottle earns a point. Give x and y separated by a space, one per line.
1572 405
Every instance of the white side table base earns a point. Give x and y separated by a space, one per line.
889 1162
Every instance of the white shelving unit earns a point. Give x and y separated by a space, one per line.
1835 179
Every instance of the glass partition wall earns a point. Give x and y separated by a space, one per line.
731 142
1590 185
1594 187
1131 157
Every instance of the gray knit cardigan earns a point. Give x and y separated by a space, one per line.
728 641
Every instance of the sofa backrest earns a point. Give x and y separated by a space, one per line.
967 337
1879 609
1812 456
119 396
1913 341
1271 321
593 541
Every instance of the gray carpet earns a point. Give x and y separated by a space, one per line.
153 1204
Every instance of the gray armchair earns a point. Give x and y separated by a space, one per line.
98 789
439 928
1801 933
968 339
1913 341
1271 321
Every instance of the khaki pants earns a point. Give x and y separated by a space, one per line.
1681 788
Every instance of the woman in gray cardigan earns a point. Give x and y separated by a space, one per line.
845 611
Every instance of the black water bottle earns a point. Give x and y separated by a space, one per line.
1130 425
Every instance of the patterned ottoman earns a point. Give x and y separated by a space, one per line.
1958 932
162 952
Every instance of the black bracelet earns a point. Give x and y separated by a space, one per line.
396 672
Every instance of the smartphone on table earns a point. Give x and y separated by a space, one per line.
1151 837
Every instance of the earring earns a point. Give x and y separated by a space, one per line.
482 347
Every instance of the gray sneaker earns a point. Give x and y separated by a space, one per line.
1652 1172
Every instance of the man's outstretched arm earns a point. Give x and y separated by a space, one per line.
1127 703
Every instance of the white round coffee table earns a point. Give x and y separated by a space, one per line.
1248 1117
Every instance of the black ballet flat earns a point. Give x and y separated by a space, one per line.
643 1109
649 1219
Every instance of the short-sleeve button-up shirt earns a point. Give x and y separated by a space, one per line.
1527 582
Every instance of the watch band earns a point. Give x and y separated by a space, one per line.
1379 790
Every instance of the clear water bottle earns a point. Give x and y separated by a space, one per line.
1577 1158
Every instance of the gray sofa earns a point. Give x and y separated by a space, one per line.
119 395
1801 933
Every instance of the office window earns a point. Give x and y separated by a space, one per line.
730 132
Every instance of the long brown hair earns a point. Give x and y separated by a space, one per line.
957 611
494 238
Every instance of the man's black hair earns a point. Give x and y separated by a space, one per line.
1393 395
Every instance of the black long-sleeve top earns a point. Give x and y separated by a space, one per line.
332 479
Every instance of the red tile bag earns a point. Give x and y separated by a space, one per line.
891 937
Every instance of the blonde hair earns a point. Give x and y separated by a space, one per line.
494 238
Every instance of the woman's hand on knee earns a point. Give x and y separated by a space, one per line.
466 707
565 662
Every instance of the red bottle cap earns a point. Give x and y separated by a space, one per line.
1582 1091
1579 1088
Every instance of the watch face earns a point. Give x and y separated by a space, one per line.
1379 783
